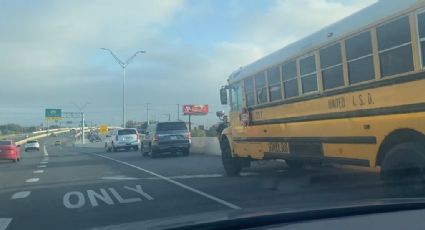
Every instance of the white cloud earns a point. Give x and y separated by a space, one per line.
290 20
50 55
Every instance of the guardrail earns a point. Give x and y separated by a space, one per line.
55 131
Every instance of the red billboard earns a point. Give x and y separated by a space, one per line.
195 109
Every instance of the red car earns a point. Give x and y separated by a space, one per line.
9 151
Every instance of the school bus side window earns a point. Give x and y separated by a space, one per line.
275 89
236 96
421 32
290 82
261 88
249 91
331 65
360 58
308 74
395 47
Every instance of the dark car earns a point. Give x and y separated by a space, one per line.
166 137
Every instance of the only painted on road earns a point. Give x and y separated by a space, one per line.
107 196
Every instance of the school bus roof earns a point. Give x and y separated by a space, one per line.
359 20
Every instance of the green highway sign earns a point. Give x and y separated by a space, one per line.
53 114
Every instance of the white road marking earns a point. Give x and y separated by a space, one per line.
32 180
104 196
44 162
80 200
119 178
38 171
249 174
76 199
123 200
218 200
21 195
41 166
4 222
139 190
243 174
45 151
157 178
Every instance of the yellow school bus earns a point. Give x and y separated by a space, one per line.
352 93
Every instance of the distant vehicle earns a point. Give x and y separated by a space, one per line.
122 139
32 145
58 142
94 138
166 137
10 151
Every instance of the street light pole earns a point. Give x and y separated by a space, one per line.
81 109
123 100
124 66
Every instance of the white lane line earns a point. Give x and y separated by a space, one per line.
119 178
41 166
21 195
4 222
156 178
32 180
38 171
218 200
45 151
44 162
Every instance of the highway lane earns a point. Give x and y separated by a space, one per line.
85 187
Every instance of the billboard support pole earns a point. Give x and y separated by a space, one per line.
190 124
82 128
178 112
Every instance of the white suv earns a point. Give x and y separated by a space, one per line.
32 145
122 139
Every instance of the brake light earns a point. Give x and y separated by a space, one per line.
189 136
138 136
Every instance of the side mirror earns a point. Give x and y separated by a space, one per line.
219 114
18 146
223 96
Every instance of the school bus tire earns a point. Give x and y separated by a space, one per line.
232 165
403 170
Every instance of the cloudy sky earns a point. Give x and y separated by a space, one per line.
50 53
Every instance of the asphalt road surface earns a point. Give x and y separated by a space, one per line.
80 187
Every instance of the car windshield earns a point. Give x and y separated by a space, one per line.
126 131
122 111
171 126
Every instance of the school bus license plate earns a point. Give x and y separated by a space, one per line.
279 147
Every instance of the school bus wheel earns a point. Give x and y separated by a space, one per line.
232 165
403 169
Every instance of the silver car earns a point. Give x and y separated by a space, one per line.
166 137
122 139
32 145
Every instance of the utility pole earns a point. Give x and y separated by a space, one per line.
81 109
147 113
82 127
